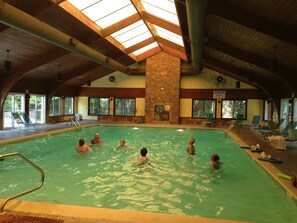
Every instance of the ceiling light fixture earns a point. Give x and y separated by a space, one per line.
7 63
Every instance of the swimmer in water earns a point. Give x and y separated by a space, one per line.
215 161
191 147
96 140
82 148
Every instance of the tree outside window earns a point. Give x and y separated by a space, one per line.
68 106
55 106
98 106
230 108
124 107
202 107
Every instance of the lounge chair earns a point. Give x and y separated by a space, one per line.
255 123
23 120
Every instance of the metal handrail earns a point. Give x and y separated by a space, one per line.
74 122
27 191
229 129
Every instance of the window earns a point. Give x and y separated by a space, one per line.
55 106
68 106
124 107
230 108
98 106
202 107
37 108
268 110
13 103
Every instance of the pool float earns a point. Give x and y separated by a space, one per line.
284 176
271 159
256 149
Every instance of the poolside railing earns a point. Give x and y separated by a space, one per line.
73 121
27 191
229 129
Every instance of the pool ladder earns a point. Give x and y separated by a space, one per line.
27 191
73 121
229 129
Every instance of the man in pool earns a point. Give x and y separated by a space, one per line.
82 148
191 147
96 140
143 157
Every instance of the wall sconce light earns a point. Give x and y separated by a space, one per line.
162 88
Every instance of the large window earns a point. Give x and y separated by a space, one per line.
230 108
13 103
55 106
268 110
98 106
202 107
37 108
124 107
68 106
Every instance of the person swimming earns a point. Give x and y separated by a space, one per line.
82 148
191 147
215 161
96 140
122 143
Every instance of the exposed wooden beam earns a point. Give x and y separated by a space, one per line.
149 53
273 90
121 24
139 45
170 44
161 23
289 76
246 19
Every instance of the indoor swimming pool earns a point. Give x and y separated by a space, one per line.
173 183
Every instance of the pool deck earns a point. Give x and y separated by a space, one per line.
77 214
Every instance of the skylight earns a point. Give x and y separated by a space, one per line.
164 9
106 13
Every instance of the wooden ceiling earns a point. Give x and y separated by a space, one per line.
254 41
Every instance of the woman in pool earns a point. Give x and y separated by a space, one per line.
96 140
215 161
82 148
191 147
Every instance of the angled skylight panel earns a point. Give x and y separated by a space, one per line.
105 12
80 5
164 9
166 34
146 48
132 34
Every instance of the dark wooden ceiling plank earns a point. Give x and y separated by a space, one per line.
20 72
253 22
281 71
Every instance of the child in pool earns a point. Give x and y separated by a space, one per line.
215 160
96 140
82 148
191 147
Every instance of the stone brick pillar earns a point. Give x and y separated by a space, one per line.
162 89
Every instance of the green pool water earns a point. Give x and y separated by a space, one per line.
174 183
